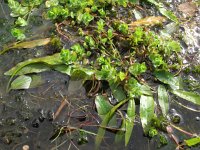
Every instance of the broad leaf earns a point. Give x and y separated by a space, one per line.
163 99
146 111
102 128
189 96
129 120
21 82
117 91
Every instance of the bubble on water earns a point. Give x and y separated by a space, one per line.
197 118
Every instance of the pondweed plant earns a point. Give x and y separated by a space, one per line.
137 63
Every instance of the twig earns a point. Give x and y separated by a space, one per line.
183 131
63 103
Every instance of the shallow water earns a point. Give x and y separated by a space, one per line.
27 115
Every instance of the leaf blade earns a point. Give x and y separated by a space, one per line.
163 99
129 120
146 111
189 96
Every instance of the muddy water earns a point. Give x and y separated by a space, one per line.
26 116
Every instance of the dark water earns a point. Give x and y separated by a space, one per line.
26 116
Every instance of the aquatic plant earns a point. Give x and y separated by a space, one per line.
123 52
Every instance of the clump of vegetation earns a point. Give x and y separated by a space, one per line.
125 53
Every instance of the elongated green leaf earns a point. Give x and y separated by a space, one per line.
189 96
146 111
192 141
50 60
117 91
31 68
129 120
163 99
21 82
104 123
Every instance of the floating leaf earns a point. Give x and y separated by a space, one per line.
28 44
163 99
117 91
129 120
21 82
102 129
146 111
192 141
189 96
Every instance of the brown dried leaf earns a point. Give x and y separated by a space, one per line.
148 21
27 44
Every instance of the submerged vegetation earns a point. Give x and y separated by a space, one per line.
139 65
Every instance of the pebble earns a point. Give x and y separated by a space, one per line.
25 147
35 123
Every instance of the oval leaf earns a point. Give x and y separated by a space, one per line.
146 111
163 99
